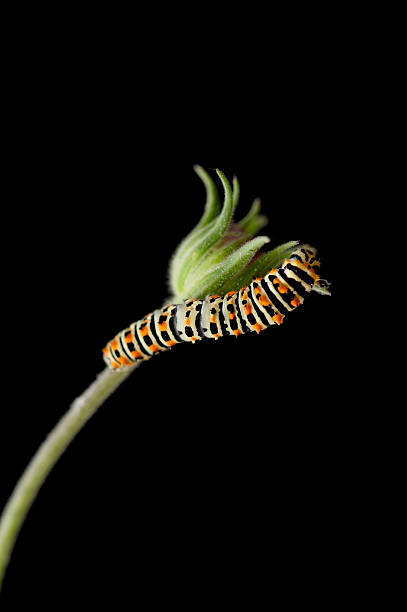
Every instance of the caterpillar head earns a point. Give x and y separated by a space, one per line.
308 256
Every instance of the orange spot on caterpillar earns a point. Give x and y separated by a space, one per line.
247 309
272 271
144 331
257 291
214 296
264 301
188 321
231 293
124 360
171 342
128 337
237 332
295 302
114 365
114 344
213 318
257 327
281 287
106 350
136 354
162 326
277 319
232 315
154 348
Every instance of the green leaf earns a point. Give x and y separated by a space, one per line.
253 222
260 266
211 211
216 278
212 205
236 192
201 244
218 254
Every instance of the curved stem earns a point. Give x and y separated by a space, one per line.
48 454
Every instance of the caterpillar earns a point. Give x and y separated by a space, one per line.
263 303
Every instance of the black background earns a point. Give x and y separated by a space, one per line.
213 459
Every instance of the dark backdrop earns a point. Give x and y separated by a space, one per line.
211 457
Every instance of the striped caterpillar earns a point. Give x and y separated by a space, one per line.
264 302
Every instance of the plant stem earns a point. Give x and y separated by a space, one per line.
48 454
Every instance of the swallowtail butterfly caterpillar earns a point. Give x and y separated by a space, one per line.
263 303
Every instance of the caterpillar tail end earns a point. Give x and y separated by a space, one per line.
112 365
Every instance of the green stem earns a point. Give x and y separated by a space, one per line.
48 454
